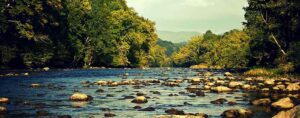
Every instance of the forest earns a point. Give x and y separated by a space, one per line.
96 33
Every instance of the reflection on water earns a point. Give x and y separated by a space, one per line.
59 85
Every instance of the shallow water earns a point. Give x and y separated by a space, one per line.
59 85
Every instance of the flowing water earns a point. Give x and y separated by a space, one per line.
59 85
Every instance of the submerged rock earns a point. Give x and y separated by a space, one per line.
284 103
140 100
109 115
99 91
200 93
292 113
231 103
3 110
261 102
173 111
219 101
237 113
4 100
80 97
148 109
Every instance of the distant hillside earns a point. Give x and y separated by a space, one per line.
176 37
170 47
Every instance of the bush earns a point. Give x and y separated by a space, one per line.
259 72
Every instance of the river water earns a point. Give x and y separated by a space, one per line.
59 85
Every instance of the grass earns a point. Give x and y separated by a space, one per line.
260 72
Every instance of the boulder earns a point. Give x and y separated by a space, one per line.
292 113
248 79
207 74
179 116
101 82
206 87
234 84
4 100
3 110
227 74
246 87
196 80
261 102
284 103
201 115
237 113
173 111
220 82
219 101
80 97
221 89
293 87
140 100
192 88
269 82
46 69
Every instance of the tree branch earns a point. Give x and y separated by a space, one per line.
272 35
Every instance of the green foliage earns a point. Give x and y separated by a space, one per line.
274 28
75 33
227 51
170 47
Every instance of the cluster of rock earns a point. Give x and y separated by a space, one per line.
199 86
3 110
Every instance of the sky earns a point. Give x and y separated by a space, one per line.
192 15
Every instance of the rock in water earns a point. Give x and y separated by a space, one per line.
196 80
237 113
35 85
148 109
140 100
46 69
284 103
293 87
3 110
269 82
109 115
4 100
235 84
219 101
227 74
80 97
220 89
292 113
261 102
173 111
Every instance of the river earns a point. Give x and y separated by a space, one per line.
58 85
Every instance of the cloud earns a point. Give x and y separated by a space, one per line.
192 15
198 3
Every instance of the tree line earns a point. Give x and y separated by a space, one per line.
86 33
270 39
76 33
